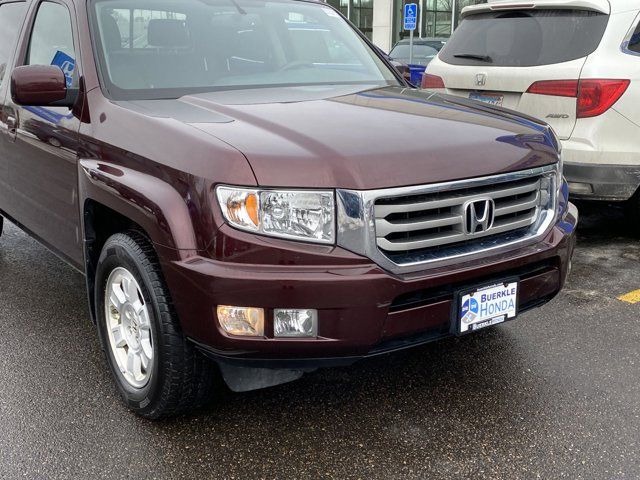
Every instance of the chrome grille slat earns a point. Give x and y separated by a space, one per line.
503 226
439 240
383 211
436 219
384 227
516 206
433 241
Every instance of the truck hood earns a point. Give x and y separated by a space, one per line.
362 138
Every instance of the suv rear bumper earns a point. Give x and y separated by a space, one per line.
602 181
363 310
602 158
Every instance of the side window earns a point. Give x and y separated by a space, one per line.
11 18
634 42
52 39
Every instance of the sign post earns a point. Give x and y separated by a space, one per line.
453 16
410 23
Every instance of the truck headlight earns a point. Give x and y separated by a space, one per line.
307 215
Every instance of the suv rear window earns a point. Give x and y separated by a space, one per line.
525 38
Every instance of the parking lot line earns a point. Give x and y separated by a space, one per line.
631 297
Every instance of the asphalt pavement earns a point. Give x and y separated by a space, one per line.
555 394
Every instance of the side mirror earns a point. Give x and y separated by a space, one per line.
403 68
41 86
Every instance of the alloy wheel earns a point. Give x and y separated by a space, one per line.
129 327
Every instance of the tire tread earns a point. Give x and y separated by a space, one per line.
186 375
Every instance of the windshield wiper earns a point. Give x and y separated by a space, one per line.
474 56
241 10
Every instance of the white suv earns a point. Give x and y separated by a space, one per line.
572 63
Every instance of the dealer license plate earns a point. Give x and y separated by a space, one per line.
487 306
490 98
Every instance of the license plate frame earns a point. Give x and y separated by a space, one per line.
490 98
461 328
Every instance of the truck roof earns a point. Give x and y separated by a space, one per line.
603 6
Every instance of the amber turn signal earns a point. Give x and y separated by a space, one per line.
241 321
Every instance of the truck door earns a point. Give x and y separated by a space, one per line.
12 16
42 162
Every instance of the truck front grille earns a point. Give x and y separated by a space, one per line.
437 220
403 229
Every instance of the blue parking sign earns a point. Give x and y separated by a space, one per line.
410 16
66 64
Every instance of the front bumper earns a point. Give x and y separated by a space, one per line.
363 309
602 181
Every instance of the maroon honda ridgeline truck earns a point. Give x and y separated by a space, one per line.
250 188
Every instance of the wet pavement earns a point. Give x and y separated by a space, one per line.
555 394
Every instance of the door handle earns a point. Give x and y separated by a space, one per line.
11 127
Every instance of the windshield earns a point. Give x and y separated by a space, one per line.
169 48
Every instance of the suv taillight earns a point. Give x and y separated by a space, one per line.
556 88
431 81
595 96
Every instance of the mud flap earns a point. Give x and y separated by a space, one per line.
244 379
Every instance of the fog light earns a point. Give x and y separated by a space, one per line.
244 321
580 188
295 323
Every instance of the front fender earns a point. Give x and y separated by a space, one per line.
150 202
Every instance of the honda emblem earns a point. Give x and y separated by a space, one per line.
479 215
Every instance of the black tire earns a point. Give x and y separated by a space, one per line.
181 378
632 214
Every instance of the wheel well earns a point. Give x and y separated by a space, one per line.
100 223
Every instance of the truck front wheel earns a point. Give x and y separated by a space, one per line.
157 371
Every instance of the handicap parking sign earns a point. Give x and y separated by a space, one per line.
410 16
66 64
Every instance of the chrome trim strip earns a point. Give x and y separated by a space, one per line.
516 206
357 220
384 227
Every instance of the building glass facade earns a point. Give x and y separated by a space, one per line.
360 12
436 17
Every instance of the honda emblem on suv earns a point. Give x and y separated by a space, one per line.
481 79
479 215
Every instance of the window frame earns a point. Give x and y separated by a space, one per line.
635 26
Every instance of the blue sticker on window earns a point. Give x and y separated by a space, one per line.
67 64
